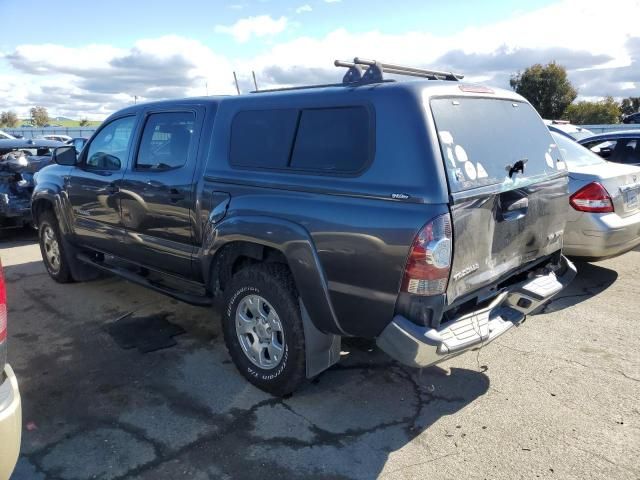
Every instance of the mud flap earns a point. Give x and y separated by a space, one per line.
322 350
80 271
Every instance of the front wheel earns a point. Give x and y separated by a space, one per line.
53 254
262 328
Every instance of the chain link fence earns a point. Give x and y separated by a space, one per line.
35 132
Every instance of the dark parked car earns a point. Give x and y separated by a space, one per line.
19 161
395 211
619 147
633 118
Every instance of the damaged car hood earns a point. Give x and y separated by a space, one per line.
19 161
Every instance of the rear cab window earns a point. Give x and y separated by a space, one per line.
481 138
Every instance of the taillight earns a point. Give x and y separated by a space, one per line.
429 261
592 198
3 308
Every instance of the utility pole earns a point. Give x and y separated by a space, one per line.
135 99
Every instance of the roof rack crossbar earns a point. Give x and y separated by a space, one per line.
374 71
362 71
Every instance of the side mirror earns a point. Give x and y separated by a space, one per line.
66 155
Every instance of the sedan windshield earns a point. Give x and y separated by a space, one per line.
574 154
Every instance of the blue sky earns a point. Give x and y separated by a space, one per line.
124 21
89 58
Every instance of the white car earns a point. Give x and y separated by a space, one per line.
604 218
58 138
563 127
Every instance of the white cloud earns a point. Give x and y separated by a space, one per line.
304 8
332 1
104 79
246 28
491 52
101 78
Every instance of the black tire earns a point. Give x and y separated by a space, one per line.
274 284
60 271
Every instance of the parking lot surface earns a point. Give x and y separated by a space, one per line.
121 382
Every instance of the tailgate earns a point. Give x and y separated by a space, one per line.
509 196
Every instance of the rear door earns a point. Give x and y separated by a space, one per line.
157 191
508 188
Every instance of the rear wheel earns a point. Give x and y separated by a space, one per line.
262 328
51 247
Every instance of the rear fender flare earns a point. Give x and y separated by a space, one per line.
298 248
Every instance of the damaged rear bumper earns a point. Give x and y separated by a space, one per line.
420 346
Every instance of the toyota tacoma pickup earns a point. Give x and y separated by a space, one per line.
425 214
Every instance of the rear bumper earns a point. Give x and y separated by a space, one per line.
599 236
419 346
10 422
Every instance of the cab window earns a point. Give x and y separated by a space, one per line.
109 149
166 141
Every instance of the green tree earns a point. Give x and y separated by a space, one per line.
605 111
546 87
39 116
630 105
8 119
84 122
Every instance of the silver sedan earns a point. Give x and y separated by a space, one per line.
603 220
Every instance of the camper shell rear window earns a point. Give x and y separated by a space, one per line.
482 138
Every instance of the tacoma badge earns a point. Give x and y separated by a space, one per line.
465 271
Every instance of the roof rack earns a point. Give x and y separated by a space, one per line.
362 70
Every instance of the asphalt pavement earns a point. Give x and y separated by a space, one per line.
121 382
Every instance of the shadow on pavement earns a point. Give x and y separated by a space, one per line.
18 237
591 280
93 409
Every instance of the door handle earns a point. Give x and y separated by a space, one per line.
513 206
175 195
112 188
521 204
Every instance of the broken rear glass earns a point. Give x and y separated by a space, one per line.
483 139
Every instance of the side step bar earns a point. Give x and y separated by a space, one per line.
198 300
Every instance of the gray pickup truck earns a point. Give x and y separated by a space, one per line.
425 214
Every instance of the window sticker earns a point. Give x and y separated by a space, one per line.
450 157
482 173
461 154
446 138
549 159
471 170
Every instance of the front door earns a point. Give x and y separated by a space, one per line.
157 192
93 186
